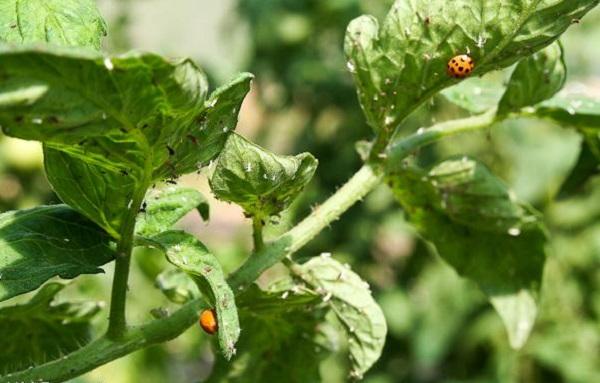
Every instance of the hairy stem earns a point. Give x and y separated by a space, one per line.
106 349
355 189
257 233
117 323
401 148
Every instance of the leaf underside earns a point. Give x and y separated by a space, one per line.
191 256
350 300
482 231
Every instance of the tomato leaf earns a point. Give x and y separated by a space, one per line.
60 22
477 94
402 63
165 207
261 182
350 300
119 123
572 109
482 231
45 242
535 79
42 329
191 256
177 286
285 338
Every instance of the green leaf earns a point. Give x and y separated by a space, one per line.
42 329
285 338
213 126
59 22
479 228
165 207
350 299
472 196
48 241
101 194
477 94
535 79
191 256
261 182
587 166
400 65
119 123
572 109
177 286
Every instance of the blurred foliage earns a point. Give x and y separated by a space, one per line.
441 327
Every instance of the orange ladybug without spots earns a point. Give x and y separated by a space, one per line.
460 66
208 321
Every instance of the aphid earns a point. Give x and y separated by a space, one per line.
143 207
460 66
193 139
208 321
171 150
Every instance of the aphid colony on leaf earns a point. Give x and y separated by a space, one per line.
208 321
460 66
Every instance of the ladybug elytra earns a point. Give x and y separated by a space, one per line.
460 66
208 321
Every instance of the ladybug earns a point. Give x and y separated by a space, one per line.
208 321
460 66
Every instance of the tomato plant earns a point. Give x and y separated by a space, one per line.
115 127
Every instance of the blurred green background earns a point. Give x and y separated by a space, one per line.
441 328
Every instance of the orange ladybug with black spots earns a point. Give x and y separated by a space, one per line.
460 66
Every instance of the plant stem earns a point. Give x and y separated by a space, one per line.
355 189
257 233
400 148
106 349
117 324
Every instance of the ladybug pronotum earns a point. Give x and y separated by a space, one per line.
208 321
460 66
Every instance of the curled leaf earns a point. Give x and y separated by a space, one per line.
261 182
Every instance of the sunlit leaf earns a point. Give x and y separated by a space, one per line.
191 256
261 182
119 123
402 63
165 207
60 22
477 94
